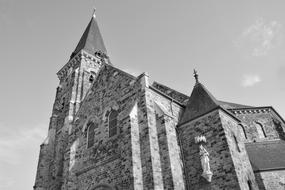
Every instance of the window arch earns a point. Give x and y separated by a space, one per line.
243 131
260 130
90 134
112 121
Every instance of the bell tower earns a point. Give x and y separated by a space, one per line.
75 78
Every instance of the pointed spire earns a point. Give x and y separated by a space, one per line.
200 102
91 40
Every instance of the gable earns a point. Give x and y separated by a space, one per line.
110 85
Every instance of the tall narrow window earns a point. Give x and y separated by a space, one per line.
90 134
236 142
113 123
260 130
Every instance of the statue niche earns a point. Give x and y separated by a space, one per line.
204 157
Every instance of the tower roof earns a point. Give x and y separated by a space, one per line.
200 102
91 40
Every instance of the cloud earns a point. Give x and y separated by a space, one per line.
260 38
250 80
14 143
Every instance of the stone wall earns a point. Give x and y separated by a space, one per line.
222 153
238 152
72 88
252 118
163 115
271 180
145 152
109 161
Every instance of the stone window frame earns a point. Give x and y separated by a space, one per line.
258 124
113 119
88 134
243 130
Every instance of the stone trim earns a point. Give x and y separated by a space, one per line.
136 149
62 73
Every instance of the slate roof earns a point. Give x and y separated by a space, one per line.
229 105
200 102
91 40
266 155
178 96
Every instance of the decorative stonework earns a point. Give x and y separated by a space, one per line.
74 62
204 157
251 111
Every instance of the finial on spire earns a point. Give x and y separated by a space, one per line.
94 11
196 76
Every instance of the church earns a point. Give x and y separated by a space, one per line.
110 130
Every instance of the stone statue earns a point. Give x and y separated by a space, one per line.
204 157
205 162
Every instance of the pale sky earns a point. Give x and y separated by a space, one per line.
236 46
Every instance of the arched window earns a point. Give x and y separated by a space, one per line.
113 123
260 130
242 129
90 134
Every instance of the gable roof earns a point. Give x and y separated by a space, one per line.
266 155
178 96
200 102
91 40
230 105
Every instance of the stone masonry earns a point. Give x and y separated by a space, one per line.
110 130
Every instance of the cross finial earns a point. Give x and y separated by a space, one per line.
196 76
94 15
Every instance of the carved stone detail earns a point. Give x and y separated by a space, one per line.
204 157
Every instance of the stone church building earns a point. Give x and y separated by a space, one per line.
114 131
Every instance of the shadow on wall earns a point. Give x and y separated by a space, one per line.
259 181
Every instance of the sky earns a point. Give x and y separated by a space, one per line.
236 46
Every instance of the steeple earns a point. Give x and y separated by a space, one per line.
91 40
200 102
